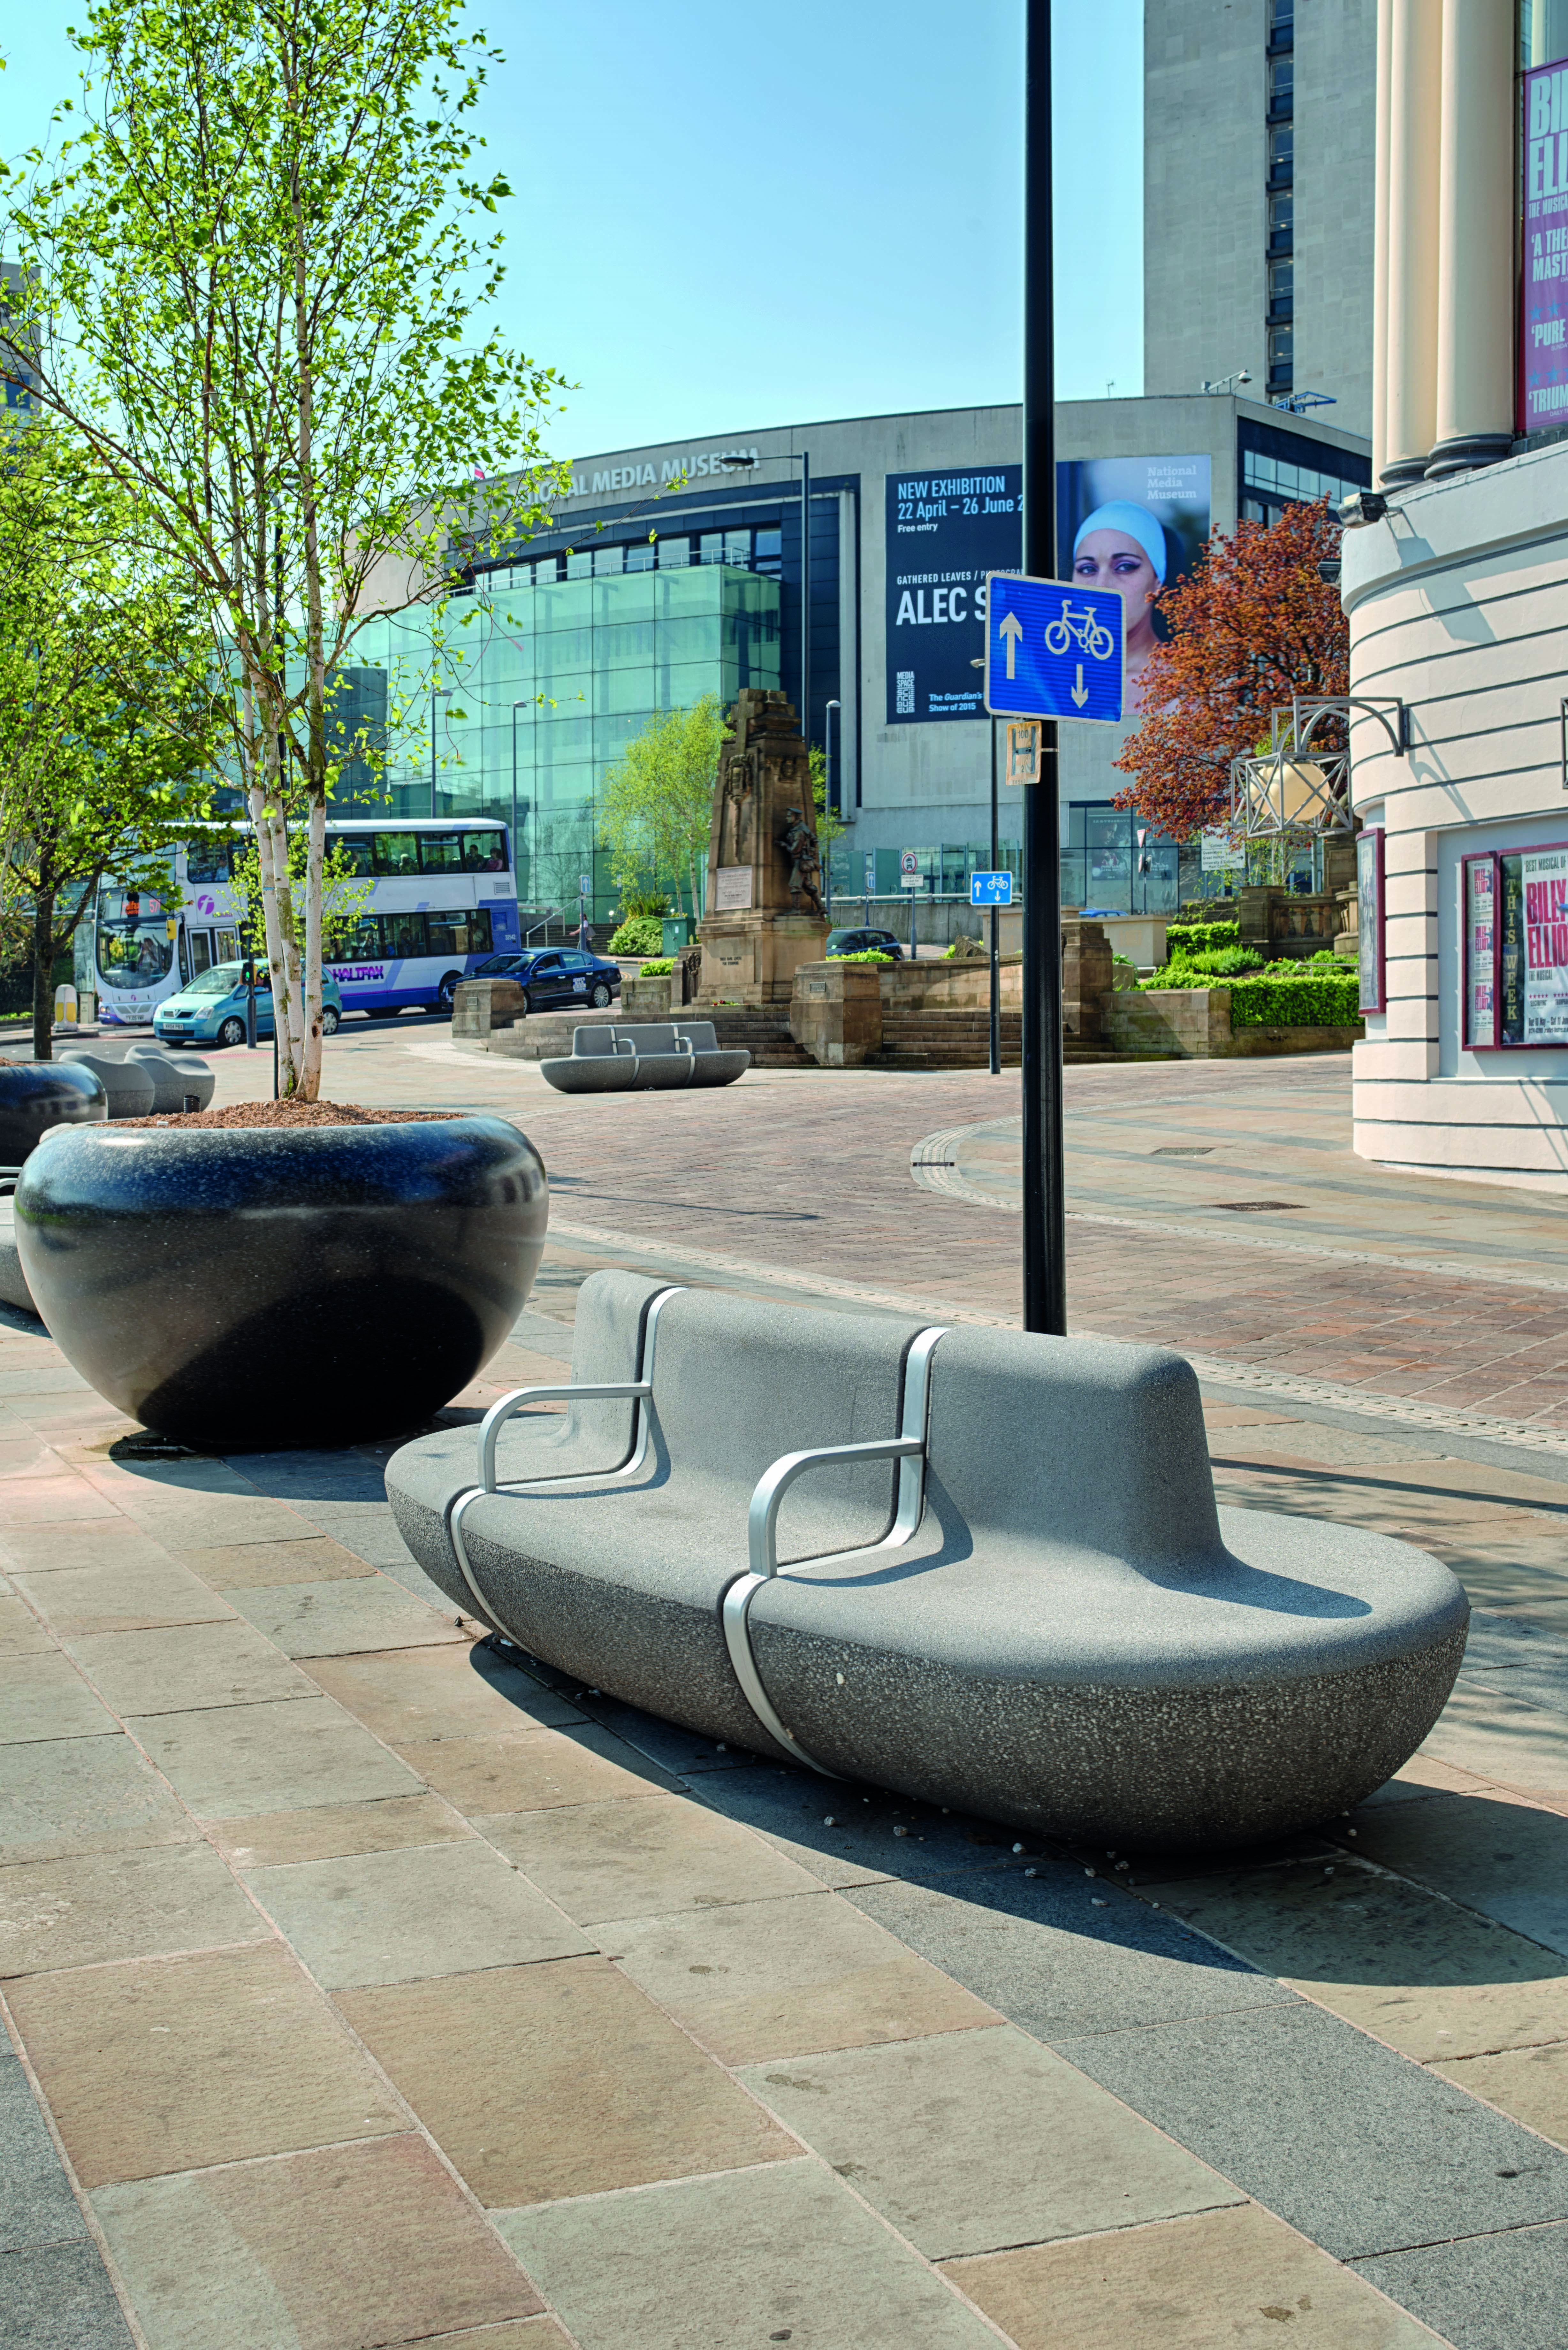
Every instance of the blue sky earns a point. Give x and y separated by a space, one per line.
729 219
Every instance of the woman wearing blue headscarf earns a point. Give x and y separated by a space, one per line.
1121 547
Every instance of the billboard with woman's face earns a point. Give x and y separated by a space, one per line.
1135 525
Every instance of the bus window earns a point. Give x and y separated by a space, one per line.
404 935
228 945
397 852
356 853
207 860
484 852
362 943
200 952
441 852
465 932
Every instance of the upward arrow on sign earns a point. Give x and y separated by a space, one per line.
1012 629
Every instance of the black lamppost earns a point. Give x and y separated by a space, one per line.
995 1061
1044 1205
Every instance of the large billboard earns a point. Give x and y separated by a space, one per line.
1544 313
1134 524
945 532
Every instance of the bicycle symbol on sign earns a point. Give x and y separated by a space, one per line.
1082 628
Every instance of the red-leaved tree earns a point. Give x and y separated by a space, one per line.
1251 626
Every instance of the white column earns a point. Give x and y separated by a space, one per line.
1475 390
1380 244
1415 89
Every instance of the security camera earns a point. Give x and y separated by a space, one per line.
1363 505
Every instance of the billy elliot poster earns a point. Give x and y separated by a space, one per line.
1543 312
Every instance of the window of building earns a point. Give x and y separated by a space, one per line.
641 557
608 562
579 567
674 554
1282 151
738 549
1282 220
1281 84
767 553
1282 287
1281 23
711 546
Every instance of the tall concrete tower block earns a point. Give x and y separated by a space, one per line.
1259 128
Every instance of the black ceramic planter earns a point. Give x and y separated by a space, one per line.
36 1095
243 1287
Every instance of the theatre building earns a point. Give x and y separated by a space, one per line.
1458 599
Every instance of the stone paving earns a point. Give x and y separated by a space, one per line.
367 1990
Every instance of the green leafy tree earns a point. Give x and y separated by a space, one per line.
109 717
655 804
254 267
830 825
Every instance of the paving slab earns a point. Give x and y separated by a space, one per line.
779 2254
135 1595
21 1634
972 2140
425 1910
347 1615
1238 2277
1041 1951
530 1770
338 2251
647 1856
322 1832
1356 2147
540 2082
229 1761
249 1566
187 1666
1488 1732
181 2063
843 1833
45 1698
1508 1860
58 2297
459 1690
64 1499
113 1543
84 1794
1430 1978
776 1978
1531 2084
1484 2293
37 2207
130 1905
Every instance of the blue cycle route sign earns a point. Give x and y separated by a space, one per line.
1053 649
990 889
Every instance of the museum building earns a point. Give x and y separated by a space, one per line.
673 570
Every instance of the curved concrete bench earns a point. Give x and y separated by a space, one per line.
130 1085
175 1076
648 1057
14 1289
982 1568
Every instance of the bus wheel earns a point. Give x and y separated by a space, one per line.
330 1021
232 1033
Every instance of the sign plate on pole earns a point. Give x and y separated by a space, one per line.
909 875
1053 649
1024 751
990 889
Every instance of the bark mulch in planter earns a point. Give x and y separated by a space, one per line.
288 1113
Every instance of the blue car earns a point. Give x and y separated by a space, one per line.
212 1009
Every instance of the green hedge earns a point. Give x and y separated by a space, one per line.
660 968
1201 938
866 954
1305 997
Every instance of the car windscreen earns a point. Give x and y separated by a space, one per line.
222 980
837 941
498 966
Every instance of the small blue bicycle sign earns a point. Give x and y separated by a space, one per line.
1053 649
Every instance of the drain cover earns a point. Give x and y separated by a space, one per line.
1254 1207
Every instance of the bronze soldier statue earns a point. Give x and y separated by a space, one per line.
798 843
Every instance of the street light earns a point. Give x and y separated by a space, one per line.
788 457
438 694
995 861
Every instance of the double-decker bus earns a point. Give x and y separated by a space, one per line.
433 896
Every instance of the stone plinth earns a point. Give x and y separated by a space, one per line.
1193 1023
836 1013
765 912
481 1005
1087 975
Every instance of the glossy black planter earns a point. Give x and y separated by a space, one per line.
36 1095
256 1286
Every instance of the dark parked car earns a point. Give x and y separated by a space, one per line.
556 975
862 942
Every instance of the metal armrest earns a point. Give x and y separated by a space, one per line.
626 1044
495 1419
763 1518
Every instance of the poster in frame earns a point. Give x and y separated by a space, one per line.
1477 928
1370 959
1514 920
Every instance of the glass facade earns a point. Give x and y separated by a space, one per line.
1105 863
519 697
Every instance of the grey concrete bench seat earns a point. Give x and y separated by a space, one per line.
1034 1611
14 1289
648 1056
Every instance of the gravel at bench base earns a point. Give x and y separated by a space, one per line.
287 1113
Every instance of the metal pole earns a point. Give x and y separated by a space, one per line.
805 599
995 965
433 700
1045 1215
914 951
830 803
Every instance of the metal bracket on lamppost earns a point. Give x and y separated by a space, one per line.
1312 707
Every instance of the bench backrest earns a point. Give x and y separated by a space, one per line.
647 1036
1078 1443
588 1042
736 1384
612 1310
699 1033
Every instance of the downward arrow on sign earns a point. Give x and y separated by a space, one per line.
1080 691
1012 629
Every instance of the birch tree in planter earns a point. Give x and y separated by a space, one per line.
252 268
